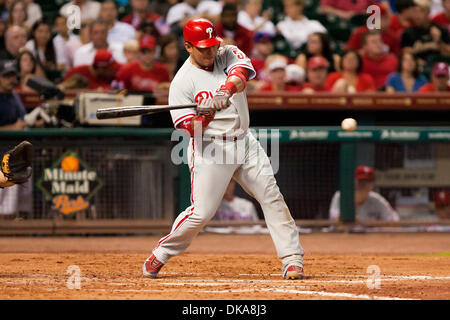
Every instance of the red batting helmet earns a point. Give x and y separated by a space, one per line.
201 33
364 173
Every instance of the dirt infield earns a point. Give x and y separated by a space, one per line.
215 267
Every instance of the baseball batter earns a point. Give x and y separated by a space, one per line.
215 78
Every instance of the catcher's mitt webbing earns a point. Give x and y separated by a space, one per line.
16 163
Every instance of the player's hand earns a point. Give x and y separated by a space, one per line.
221 99
205 107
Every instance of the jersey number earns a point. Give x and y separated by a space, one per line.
239 54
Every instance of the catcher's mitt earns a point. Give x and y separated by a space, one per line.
16 163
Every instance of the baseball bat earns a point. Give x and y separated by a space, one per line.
129 111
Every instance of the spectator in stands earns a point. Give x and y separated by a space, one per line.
443 18
186 10
403 19
100 74
408 78
130 50
170 54
41 45
344 9
369 205
140 12
262 48
439 79
147 28
389 5
160 7
425 39
232 32
436 6
295 75
350 79
277 72
250 17
235 208
2 34
146 74
117 31
3 10
376 63
98 35
17 14
12 113
60 41
12 110
318 45
442 203
89 9
317 72
27 66
295 27
390 39
15 39
34 13
78 41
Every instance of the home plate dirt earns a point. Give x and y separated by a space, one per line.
215 267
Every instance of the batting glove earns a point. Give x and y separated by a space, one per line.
221 99
205 106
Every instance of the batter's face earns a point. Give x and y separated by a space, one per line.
202 57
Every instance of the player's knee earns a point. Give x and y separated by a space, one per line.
272 193
201 218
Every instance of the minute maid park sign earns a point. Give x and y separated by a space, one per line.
69 183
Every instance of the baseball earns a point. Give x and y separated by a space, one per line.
349 124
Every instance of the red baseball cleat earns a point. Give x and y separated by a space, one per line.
294 272
151 267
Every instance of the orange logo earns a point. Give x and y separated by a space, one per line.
63 204
70 163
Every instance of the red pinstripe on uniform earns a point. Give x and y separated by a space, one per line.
192 170
192 200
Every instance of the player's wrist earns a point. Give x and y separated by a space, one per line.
231 87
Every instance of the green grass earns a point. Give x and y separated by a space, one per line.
442 254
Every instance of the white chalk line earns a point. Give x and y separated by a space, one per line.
254 290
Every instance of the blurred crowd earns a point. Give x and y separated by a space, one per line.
295 45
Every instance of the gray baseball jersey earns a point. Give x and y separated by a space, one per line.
374 208
191 83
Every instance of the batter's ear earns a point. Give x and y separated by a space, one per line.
188 46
